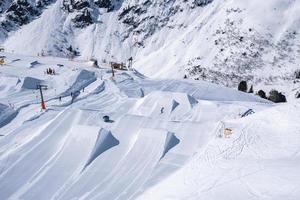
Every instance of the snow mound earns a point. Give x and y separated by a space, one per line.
163 104
174 105
105 141
192 100
31 83
83 79
100 88
7 114
171 142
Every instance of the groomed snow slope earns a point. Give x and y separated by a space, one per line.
164 139
259 161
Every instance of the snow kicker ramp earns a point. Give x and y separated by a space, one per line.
166 105
86 163
7 114
120 171
31 83
35 158
83 79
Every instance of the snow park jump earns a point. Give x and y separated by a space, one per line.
169 135
149 100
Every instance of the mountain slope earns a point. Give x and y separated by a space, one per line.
219 41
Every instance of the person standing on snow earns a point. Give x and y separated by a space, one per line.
162 110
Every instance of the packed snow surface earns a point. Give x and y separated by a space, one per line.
165 138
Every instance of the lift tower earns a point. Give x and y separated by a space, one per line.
41 87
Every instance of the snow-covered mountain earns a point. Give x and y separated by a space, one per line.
168 128
222 41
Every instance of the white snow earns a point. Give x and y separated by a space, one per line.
166 139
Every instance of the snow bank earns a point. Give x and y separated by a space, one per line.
192 100
83 79
7 114
174 105
99 89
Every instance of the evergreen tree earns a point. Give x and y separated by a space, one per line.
276 97
243 86
262 94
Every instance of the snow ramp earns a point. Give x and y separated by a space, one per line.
132 171
171 141
36 157
104 142
31 83
7 114
65 162
166 105
83 79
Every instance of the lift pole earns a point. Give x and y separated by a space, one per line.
112 69
40 87
130 63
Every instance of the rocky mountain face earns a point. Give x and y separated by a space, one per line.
220 41
15 14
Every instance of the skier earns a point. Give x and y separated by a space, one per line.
59 98
162 110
